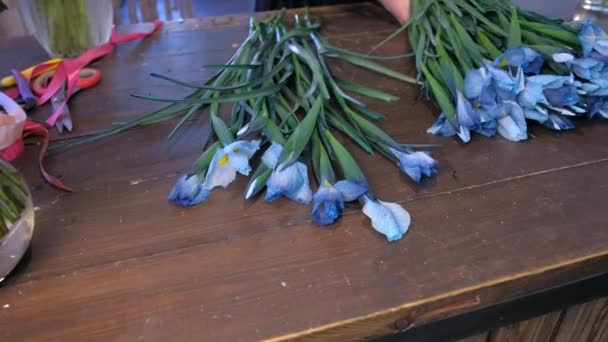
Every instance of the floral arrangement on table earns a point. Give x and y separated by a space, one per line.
288 105
492 66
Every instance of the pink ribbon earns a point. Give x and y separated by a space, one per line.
68 69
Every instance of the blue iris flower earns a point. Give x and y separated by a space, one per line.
389 219
229 160
521 57
592 37
329 200
189 190
291 181
507 86
442 126
416 164
511 121
559 123
479 90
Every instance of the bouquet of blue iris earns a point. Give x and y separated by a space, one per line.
287 110
492 67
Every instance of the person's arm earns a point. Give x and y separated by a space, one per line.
399 8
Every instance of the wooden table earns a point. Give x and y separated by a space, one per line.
501 223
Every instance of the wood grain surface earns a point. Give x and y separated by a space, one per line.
115 261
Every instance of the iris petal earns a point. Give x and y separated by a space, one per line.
389 219
351 191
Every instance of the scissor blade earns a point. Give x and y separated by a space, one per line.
67 123
59 126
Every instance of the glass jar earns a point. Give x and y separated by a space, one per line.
67 28
17 213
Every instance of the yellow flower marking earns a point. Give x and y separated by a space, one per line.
327 184
503 62
223 160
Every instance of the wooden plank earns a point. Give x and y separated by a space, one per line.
205 269
538 329
586 322
475 338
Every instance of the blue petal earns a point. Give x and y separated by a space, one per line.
601 46
351 191
562 97
328 205
465 114
562 57
512 125
559 123
488 125
550 81
587 68
588 35
475 81
189 191
291 182
536 115
416 164
521 57
390 219
442 127
532 95
271 156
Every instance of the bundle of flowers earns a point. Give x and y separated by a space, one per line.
491 66
288 108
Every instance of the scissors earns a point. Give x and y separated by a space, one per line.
87 78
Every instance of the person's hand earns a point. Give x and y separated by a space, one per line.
399 8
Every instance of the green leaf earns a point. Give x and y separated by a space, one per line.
298 140
372 114
348 165
372 131
231 66
257 183
363 90
553 32
345 127
221 130
224 98
470 47
379 69
320 161
313 64
451 72
202 164
442 97
464 4
514 29
491 51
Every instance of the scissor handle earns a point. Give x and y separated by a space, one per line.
87 78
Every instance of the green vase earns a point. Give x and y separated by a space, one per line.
17 215
67 28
